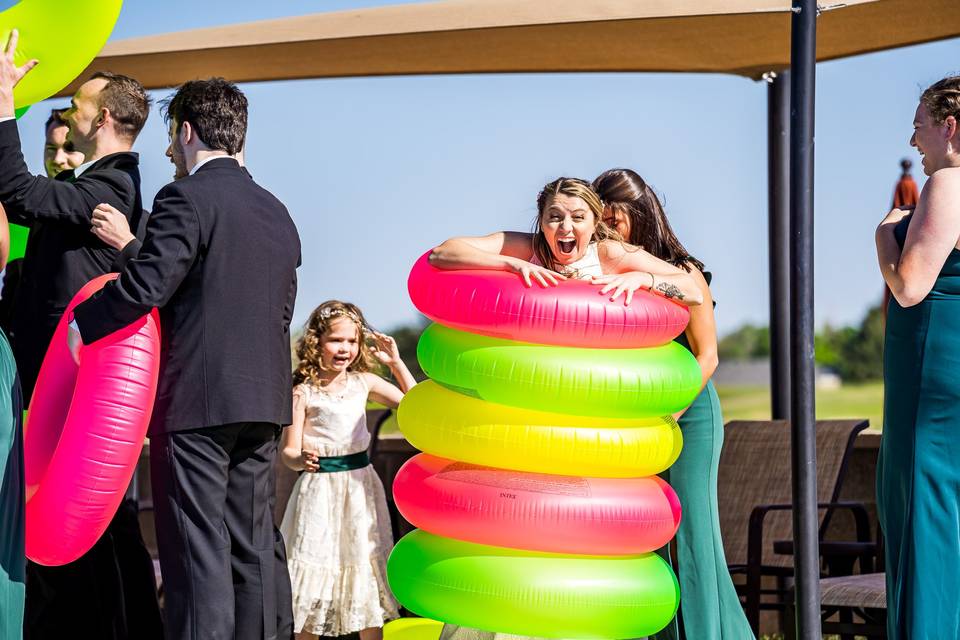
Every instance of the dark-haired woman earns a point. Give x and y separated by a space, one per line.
918 474
709 606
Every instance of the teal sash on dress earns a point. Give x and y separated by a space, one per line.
348 462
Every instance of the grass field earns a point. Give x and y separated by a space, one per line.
753 403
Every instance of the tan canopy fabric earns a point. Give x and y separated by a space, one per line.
745 37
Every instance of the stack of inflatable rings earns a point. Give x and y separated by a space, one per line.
544 424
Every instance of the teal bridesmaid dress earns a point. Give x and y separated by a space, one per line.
918 471
11 498
709 604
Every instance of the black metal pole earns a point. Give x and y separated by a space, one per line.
778 203
802 89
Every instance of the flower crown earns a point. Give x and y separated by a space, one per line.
337 312
333 312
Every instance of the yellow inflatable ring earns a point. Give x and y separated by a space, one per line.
451 425
65 36
412 629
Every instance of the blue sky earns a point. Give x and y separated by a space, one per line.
376 171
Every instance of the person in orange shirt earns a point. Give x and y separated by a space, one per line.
905 196
906 193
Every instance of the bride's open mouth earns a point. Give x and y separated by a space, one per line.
566 247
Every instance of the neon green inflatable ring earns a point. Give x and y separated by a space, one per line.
65 36
614 383
530 593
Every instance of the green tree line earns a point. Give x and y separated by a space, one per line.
854 352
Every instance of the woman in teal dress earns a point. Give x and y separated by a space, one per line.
918 472
709 605
12 508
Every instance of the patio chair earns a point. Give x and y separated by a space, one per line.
387 456
857 602
754 491
853 606
864 596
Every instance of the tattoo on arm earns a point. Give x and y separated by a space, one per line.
669 290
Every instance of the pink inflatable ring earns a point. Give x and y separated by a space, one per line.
84 432
572 314
537 512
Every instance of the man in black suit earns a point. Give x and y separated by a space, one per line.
114 580
58 156
110 591
62 255
219 261
111 226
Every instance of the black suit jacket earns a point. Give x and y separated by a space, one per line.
62 254
219 260
132 248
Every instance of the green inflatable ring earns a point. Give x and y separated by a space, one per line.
532 594
18 242
614 383
64 36
18 234
451 425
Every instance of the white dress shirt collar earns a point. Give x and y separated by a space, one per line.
206 160
82 168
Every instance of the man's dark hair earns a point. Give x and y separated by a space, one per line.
127 101
56 118
215 108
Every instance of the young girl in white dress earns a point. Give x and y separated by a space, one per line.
336 525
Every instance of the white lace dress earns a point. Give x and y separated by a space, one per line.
336 525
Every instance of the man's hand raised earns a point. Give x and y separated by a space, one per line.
11 74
